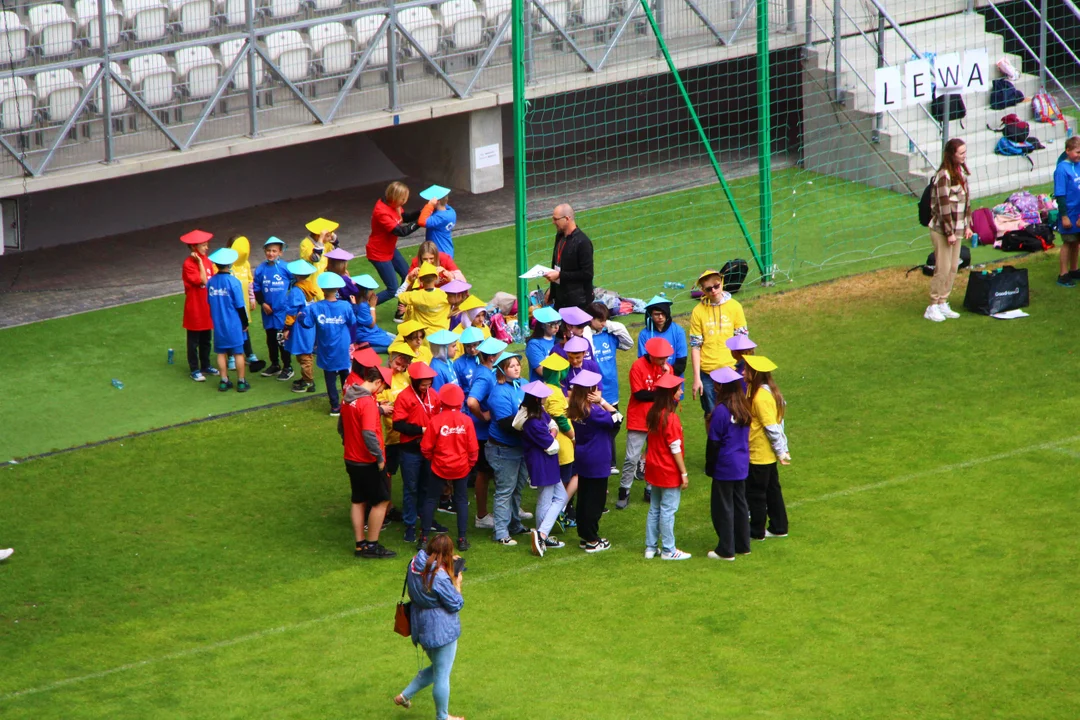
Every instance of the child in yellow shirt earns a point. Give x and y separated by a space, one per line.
428 305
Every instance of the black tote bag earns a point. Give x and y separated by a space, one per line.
994 291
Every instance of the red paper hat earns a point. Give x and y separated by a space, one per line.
659 347
196 237
366 357
668 380
421 371
451 395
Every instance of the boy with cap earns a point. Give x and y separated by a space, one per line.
450 445
438 218
715 319
271 285
333 321
299 341
367 331
228 310
365 457
413 410
196 271
658 323
429 304
644 373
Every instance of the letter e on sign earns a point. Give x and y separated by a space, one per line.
918 78
889 93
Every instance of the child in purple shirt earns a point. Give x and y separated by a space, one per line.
541 449
727 462
594 421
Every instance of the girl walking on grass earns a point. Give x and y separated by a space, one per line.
727 462
665 470
538 437
594 421
768 446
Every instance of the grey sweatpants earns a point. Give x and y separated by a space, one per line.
635 442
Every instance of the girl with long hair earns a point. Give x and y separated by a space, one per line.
665 469
727 462
538 437
768 446
594 421
950 221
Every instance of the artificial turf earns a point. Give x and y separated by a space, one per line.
207 571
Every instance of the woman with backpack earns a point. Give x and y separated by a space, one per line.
950 220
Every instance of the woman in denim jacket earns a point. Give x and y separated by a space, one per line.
435 591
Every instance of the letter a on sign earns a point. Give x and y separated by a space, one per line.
918 78
976 71
889 93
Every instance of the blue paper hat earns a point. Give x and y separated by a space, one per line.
275 241
366 281
471 335
492 346
442 337
330 281
223 256
658 300
435 192
300 267
546 315
506 356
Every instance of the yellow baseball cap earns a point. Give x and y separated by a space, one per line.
555 362
427 269
471 303
318 226
401 349
706 274
760 363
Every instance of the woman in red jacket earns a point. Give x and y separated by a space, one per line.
388 223
197 270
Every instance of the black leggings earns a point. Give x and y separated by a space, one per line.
591 495
198 349
766 500
274 348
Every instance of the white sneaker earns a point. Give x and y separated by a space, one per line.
524 515
5 554
933 312
650 553
537 543
486 523
675 554
714 556
947 312
769 534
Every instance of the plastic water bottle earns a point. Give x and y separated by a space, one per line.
117 384
672 285
974 240
171 354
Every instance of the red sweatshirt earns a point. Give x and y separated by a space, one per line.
412 412
643 373
196 302
360 417
450 444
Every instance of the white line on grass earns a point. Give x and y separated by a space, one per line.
202 649
1067 451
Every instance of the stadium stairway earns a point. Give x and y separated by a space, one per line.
894 162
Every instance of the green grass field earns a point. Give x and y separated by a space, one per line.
207 572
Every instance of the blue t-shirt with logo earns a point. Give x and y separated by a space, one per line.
333 322
440 227
272 280
1067 185
605 345
505 399
226 295
483 380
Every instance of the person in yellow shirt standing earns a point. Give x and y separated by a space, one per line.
429 305
715 319
768 446
321 239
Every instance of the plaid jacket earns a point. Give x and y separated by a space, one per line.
947 204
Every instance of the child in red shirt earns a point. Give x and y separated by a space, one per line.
413 410
665 469
450 444
196 271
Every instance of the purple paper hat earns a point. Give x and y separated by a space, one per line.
537 389
740 342
574 316
587 378
339 254
724 375
576 344
456 286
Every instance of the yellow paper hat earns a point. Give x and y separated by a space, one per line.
427 269
471 303
760 363
401 348
555 362
318 226
408 327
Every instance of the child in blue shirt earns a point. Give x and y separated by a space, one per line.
438 219
271 285
366 331
658 323
542 340
1067 192
300 340
333 321
442 344
481 383
228 310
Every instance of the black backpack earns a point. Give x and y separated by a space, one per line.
928 268
1004 94
957 108
734 272
924 205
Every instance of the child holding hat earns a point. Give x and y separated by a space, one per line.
715 319
665 469
541 451
644 373
768 446
727 462
196 271
594 420
333 321
438 218
450 445
442 344
414 408
659 324
228 310
271 283
299 341
542 340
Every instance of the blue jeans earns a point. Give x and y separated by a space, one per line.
660 522
415 477
708 393
390 271
437 674
332 377
511 477
550 501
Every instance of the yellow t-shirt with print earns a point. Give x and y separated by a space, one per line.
430 307
763 410
556 405
714 324
398 382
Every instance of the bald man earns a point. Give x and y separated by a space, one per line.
572 261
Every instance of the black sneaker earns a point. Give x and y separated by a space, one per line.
1066 281
286 374
521 530
256 365
399 314
242 386
360 548
447 506
648 494
437 528
421 542
303 387
394 515
462 544
604 511
1074 274
552 542
335 412
624 499
225 386
271 371
377 552
410 534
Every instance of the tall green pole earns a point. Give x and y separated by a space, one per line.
521 238
765 199
701 133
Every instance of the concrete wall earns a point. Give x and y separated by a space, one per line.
84 212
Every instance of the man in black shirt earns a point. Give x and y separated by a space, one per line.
572 261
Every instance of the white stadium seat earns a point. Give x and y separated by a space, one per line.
327 4
118 99
594 12
292 55
283 8
229 51
198 70
365 31
53 29
152 78
560 12
86 14
235 12
147 18
192 15
333 47
463 23
14 38
423 26
58 93
495 11
17 103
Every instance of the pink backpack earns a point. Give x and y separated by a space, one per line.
982 223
